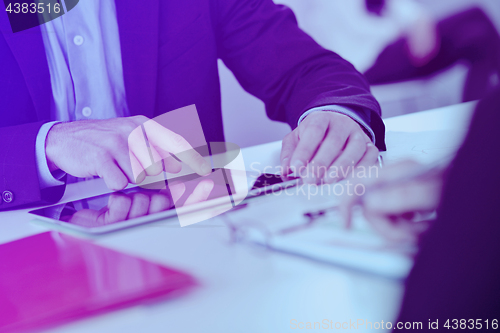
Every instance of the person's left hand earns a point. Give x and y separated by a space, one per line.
324 146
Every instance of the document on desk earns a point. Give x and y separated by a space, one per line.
312 229
51 278
359 249
424 147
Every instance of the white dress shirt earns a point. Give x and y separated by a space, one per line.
86 73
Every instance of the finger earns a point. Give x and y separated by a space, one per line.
138 146
177 190
367 170
140 205
408 197
157 167
346 161
86 218
113 176
174 143
329 150
170 164
130 165
136 165
201 192
396 232
288 146
118 208
370 157
309 141
159 203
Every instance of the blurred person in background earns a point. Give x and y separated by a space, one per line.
427 47
365 35
456 273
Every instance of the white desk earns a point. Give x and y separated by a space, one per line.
248 290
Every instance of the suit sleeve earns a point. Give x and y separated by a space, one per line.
274 60
19 183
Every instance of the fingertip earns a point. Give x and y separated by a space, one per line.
173 168
205 169
117 183
177 190
284 166
171 165
154 169
122 183
116 187
140 178
296 167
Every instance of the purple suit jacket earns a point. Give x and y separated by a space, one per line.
169 52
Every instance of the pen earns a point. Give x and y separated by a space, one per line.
380 161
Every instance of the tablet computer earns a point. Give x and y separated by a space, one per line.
138 205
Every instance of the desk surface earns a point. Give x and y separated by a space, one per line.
245 289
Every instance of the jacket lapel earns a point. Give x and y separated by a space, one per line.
28 49
138 26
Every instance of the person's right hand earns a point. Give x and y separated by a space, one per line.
116 150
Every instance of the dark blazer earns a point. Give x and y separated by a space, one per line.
457 272
169 53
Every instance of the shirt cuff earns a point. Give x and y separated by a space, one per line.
345 111
45 177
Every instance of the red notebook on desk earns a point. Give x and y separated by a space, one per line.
52 278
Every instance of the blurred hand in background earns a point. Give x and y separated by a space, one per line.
395 198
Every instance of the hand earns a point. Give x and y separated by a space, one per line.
390 204
324 146
123 206
116 150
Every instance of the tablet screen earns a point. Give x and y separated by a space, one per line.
137 205
109 208
141 204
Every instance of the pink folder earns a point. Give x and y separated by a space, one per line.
52 278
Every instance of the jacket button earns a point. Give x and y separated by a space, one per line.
7 196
